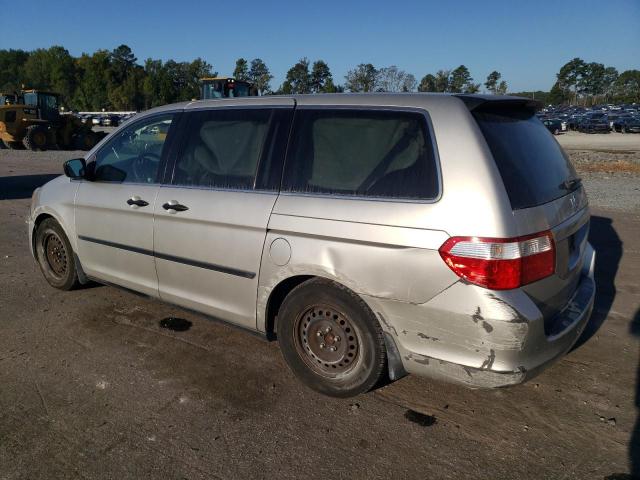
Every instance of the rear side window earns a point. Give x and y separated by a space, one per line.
534 168
223 148
370 153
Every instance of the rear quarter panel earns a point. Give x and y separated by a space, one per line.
389 249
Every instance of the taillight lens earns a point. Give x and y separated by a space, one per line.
501 263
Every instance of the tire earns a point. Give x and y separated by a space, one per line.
321 312
85 141
55 256
556 132
35 138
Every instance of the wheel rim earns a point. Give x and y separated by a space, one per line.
327 341
56 254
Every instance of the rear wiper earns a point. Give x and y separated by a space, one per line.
571 185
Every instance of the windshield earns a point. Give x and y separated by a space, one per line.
30 99
533 166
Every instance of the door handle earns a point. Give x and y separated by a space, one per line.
175 206
137 201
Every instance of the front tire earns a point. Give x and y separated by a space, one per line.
55 256
331 339
85 141
35 138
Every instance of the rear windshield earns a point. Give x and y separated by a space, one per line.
533 166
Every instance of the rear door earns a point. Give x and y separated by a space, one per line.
211 217
544 191
114 211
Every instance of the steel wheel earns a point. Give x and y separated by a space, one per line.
327 341
56 254
331 339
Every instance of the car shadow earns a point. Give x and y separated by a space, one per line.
608 246
22 186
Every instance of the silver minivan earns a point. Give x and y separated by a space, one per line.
371 235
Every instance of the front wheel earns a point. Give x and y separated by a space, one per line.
35 138
330 339
55 256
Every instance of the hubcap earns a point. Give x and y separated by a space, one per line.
326 340
56 254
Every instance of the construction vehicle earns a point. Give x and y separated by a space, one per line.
8 98
32 120
226 87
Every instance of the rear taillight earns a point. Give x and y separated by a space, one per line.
501 263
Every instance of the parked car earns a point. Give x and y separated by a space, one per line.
594 124
96 120
627 124
110 121
368 251
553 125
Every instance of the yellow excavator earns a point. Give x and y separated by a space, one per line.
31 119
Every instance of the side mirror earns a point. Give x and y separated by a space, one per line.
75 168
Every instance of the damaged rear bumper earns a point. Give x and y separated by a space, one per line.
483 338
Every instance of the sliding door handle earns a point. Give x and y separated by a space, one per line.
175 206
137 201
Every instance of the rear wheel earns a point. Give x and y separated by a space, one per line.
556 131
35 138
85 140
55 256
330 339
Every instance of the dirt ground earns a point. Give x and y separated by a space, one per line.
91 386
599 141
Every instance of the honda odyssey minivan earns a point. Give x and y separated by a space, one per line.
371 235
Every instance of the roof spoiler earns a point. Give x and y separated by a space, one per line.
481 102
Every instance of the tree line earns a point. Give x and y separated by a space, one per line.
115 80
590 83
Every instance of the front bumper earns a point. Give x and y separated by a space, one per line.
480 338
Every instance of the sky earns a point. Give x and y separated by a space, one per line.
527 41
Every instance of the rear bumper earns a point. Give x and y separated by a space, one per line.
481 338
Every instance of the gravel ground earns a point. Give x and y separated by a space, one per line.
600 141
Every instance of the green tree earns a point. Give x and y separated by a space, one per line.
461 81
570 76
502 88
492 81
260 76
51 69
11 69
92 81
321 79
299 78
427 84
241 72
559 95
627 86
362 78
122 63
443 81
